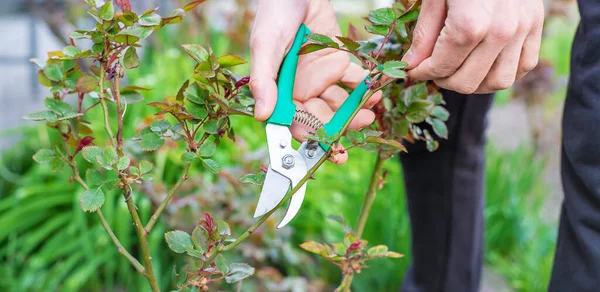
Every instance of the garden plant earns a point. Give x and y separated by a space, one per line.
88 75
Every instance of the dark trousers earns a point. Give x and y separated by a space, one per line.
577 259
444 192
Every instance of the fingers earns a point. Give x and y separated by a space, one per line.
427 30
272 34
504 71
531 49
455 43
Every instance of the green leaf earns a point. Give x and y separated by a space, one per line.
440 113
110 156
238 272
415 92
394 73
210 127
151 19
230 61
377 250
44 156
221 264
189 157
138 32
223 228
383 16
311 48
339 248
197 52
196 94
394 255
41 116
107 11
439 127
199 238
418 111
312 246
123 163
70 51
92 200
377 29
401 128
152 141
178 241
349 43
356 137
211 165
57 165
195 253
145 166
92 154
195 110
134 170
408 17
436 98
58 106
393 143
101 178
160 126
87 83
207 149
255 179
131 59
54 72
319 38
394 64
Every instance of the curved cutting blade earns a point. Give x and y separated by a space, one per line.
295 204
274 189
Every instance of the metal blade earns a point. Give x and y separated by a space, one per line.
274 189
295 204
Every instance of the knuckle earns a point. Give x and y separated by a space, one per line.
443 71
504 32
502 83
528 64
470 30
465 88
418 37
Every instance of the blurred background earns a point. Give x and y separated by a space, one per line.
47 243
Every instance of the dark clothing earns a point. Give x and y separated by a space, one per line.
577 259
444 191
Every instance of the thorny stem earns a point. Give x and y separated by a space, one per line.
142 237
137 223
166 200
136 264
364 212
111 136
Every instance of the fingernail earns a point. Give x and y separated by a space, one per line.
408 57
259 107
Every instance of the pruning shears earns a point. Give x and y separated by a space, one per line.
288 166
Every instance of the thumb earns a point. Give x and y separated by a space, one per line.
266 56
428 28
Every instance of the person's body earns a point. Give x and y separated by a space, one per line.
469 48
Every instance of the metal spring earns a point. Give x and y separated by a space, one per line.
308 119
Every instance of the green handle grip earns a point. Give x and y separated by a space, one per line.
345 111
284 111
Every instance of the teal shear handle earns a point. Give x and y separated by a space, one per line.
285 109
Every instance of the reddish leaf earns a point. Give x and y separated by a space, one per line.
311 48
242 82
192 5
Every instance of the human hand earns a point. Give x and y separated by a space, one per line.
476 46
315 88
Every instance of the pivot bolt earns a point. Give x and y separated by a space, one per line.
311 153
288 161
283 143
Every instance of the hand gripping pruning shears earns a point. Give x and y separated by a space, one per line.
287 166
